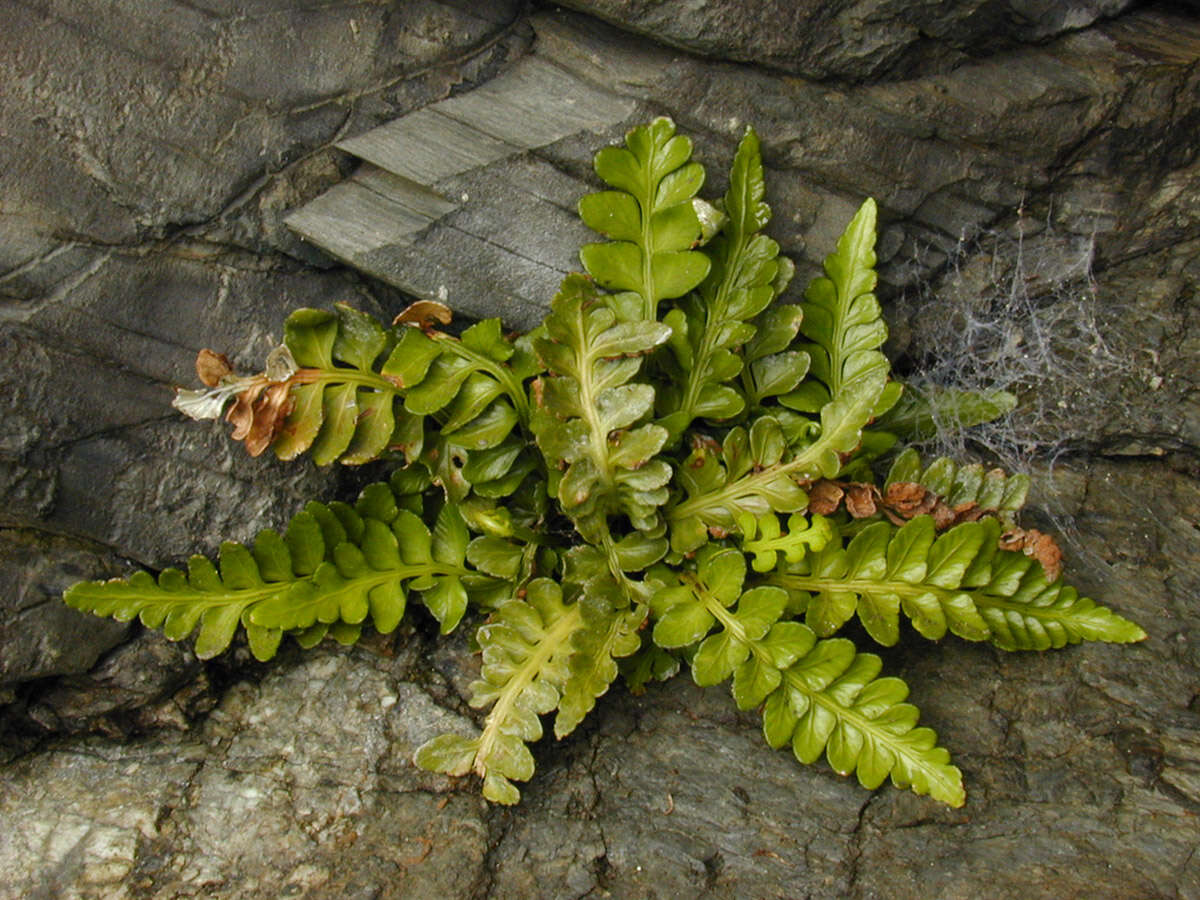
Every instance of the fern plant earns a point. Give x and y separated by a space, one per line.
677 469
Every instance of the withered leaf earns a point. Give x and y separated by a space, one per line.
906 497
199 405
904 500
259 412
943 516
281 365
241 414
1038 545
423 313
824 498
270 413
211 367
970 511
861 500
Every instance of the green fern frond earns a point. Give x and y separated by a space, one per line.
707 328
526 646
843 320
342 408
650 219
590 409
741 647
763 538
746 478
332 392
925 410
958 582
1026 612
848 388
605 636
820 696
335 565
832 701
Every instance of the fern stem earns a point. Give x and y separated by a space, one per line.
719 612
345 376
649 304
597 437
714 317
512 385
614 564
802 467
745 486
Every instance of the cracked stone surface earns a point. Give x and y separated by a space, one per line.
851 39
1046 167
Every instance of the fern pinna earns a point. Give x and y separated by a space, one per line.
676 469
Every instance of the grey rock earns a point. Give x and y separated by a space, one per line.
948 156
184 105
1065 129
39 636
251 805
850 38
149 682
90 386
439 184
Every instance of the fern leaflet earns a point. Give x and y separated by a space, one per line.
650 218
335 564
958 581
746 275
525 649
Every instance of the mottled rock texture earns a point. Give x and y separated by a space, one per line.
1036 166
851 39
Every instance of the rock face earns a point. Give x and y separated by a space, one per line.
1037 174
851 39
40 637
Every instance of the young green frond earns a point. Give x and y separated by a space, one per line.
649 218
819 696
831 701
843 320
334 565
591 411
746 477
525 646
709 327
959 582
924 410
